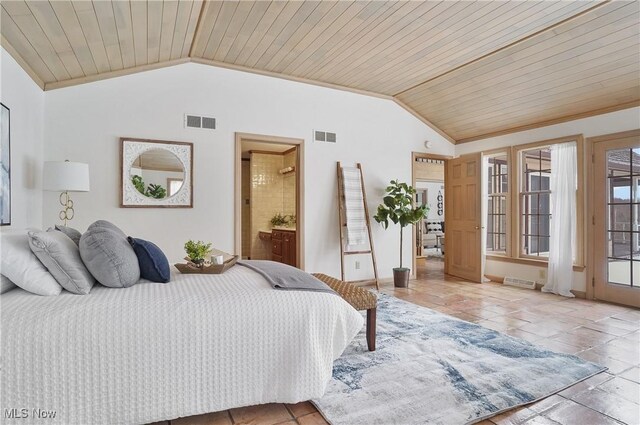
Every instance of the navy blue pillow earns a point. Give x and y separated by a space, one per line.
154 265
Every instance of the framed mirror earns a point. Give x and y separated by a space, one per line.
156 173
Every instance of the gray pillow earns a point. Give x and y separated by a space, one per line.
73 234
61 256
108 256
6 284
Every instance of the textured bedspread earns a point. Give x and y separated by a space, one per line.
160 351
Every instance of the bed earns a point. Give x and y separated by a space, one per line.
201 343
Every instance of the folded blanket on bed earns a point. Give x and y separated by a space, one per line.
282 276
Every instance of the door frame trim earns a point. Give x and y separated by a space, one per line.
591 239
237 203
414 234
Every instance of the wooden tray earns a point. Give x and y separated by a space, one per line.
191 268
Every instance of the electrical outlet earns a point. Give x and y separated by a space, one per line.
542 273
357 265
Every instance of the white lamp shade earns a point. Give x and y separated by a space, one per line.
61 176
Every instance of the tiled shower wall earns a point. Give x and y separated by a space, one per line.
266 199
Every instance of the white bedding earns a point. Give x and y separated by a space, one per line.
160 351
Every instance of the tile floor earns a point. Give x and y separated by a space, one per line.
599 332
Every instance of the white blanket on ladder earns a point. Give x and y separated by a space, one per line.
354 206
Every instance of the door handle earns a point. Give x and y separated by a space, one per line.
478 227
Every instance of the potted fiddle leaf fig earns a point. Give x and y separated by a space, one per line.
397 208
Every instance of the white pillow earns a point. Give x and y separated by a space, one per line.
5 284
23 268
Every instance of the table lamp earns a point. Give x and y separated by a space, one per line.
65 177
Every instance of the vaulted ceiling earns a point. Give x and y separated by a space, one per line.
470 69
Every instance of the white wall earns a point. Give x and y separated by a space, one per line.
83 123
25 100
627 119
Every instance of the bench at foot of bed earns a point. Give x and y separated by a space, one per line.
360 299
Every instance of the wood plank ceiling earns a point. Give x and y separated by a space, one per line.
471 69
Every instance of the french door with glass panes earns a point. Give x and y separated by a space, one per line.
616 219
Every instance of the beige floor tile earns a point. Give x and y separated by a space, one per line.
545 404
623 388
611 405
514 417
626 344
264 414
632 374
312 419
559 346
500 327
465 316
300 409
632 316
541 420
540 329
616 353
519 333
611 326
586 385
511 322
614 366
585 336
572 413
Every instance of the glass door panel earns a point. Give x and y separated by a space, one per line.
616 218
622 218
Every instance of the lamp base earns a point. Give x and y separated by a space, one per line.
67 212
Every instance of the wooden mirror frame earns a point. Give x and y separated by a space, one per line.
130 149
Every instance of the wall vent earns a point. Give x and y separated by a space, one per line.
197 121
324 136
520 283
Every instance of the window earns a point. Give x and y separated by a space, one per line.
535 214
518 217
497 208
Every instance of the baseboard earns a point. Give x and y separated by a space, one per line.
500 279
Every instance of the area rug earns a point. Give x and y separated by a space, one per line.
430 368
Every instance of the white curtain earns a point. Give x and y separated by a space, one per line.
485 208
563 185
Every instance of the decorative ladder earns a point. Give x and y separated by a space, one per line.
343 225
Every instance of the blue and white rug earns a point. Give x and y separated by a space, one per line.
430 368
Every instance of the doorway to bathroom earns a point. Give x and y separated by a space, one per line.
269 194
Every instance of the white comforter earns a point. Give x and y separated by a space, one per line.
160 351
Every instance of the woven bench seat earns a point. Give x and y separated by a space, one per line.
360 299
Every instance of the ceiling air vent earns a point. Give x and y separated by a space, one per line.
196 121
324 136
